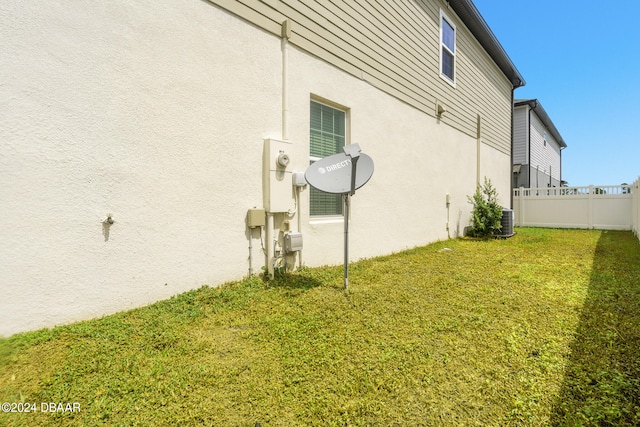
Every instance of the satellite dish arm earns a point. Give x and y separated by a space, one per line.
353 151
354 160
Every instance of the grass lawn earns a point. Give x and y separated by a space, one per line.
539 329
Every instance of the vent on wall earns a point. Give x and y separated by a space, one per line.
506 223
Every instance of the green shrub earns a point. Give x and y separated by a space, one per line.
487 213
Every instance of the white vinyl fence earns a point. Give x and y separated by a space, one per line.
636 207
611 207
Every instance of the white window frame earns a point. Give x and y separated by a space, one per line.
328 218
443 46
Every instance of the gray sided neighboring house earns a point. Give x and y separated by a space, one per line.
537 147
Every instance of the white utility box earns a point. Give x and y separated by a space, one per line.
277 192
292 242
299 179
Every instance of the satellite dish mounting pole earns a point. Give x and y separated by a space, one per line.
347 199
332 175
353 152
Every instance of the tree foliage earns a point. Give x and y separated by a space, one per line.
486 216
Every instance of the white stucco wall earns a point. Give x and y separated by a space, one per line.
154 114
158 115
418 161
496 166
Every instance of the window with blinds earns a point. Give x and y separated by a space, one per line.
447 48
327 137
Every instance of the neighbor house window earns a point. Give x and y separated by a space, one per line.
447 48
328 136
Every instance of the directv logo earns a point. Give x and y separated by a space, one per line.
335 166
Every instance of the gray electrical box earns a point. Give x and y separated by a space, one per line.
292 242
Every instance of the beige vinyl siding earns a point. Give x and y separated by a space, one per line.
483 88
394 45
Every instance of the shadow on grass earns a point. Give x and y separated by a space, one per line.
602 381
296 281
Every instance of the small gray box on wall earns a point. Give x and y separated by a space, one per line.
292 242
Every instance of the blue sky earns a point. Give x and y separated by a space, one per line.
581 60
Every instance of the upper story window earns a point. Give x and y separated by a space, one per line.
447 49
327 136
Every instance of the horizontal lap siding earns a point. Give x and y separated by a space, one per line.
544 156
536 129
374 49
483 89
255 12
394 45
520 140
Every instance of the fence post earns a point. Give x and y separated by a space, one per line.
635 205
590 208
521 207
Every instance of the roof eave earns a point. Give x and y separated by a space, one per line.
536 106
469 14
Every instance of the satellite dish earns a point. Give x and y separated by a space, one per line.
333 174
342 173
